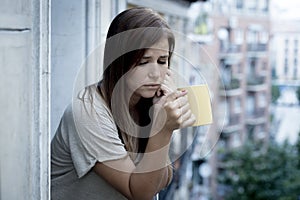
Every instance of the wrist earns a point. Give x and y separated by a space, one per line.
159 140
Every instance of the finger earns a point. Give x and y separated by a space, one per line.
186 115
185 108
159 100
185 112
158 92
166 88
181 101
189 121
183 119
174 95
182 113
168 75
168 84
169 72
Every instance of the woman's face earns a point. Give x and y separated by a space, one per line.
146 78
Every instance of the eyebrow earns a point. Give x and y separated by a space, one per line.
163 56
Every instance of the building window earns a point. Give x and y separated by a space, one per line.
236 140
237 105
223 115
295 72
239 4
250 105
252 5
265 66
252 37
286 43
286 51
251 67
264 37
286 66
263 5
286 48
260 132
171 21
225 141
251 132
296 47
296 43
295 68
227 74
201 24
240 68
238 36
225 6
262 100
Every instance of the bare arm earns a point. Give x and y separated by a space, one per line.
144 180
152 173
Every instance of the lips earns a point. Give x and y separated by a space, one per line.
154 85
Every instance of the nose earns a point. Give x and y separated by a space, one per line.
154 72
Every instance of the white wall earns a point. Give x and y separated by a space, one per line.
67 52
24 99
78 28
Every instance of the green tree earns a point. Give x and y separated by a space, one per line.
253 172
275 93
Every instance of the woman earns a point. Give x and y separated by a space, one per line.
113 140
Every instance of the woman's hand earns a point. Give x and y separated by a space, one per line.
172 112
167 86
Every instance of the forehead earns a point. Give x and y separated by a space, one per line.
162 46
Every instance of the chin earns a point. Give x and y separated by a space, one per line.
148 94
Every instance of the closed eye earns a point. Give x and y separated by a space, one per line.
143 63
162 62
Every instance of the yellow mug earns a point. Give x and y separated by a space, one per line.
200 103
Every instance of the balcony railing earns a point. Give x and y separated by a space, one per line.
233 84
233 124
234 119
230 48
257 113
257 47
256 80
256 83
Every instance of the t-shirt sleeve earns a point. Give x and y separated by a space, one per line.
96 137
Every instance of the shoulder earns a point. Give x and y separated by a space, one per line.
89 103
91 113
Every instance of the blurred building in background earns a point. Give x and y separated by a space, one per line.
285 57
286 34
242 31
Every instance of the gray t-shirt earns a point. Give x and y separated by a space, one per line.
86 134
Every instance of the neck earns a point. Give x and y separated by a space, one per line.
134 99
